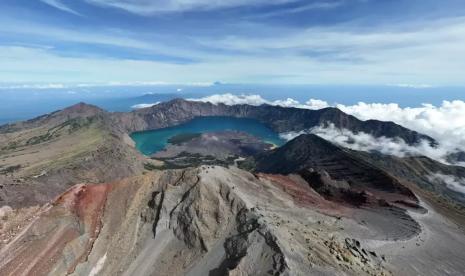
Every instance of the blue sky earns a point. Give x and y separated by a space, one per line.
364 42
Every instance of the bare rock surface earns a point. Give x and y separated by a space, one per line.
206 221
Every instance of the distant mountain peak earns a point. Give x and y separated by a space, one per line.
82 108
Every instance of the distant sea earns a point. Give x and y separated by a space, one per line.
28 102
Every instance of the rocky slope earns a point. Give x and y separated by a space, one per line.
220 221
421 174
41 158
375 174
206 221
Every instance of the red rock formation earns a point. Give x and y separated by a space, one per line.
79 210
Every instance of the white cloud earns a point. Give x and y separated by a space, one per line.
322 5
147 7
114 37
37 86
445 123
60 5
144 105
231 99
452 182
414 86
316 104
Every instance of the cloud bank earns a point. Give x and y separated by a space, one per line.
445 123
365 142
144 105
256 100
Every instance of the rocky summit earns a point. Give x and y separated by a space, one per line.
78 198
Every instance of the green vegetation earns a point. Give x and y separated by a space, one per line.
74 124
247 164
40 139
185 160
11 146
71 125
150 167
182 138
10 169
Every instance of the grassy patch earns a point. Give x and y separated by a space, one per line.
39 139
150 167
248 164
186 160
11 146
71 126
182 138
10 169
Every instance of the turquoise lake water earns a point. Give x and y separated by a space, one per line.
152 141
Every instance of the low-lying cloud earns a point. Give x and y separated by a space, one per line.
256 100
366 142
144 105
445 123
452 182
